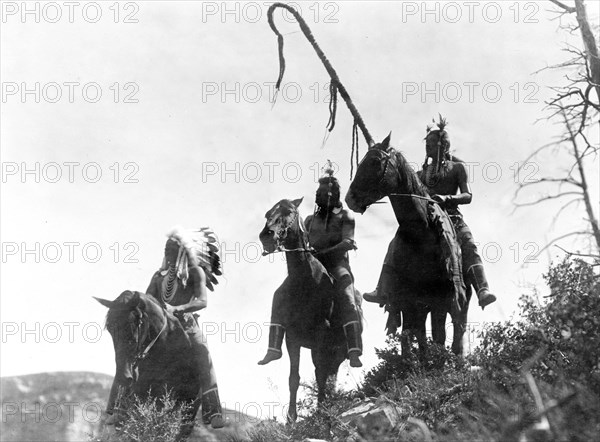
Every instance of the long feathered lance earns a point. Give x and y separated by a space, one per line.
336 85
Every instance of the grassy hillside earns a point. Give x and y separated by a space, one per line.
66 406
535 378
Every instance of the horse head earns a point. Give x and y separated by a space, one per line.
376 177
284 229
135 321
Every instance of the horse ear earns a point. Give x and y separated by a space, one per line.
297 202
138 301
105 302
386 142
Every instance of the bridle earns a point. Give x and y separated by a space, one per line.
142 353
382 180
282 234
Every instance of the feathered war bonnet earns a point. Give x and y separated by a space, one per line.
196 247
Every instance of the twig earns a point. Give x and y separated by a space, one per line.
577 254
568 9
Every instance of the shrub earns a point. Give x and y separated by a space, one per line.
394 366
150 420
566 328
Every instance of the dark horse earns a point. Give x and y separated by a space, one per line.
152 352
425 280
312 320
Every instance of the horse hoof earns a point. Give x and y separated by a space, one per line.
217 421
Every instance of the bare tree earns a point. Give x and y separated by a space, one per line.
576 107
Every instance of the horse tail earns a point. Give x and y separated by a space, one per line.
336 84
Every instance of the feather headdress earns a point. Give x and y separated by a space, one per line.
197 247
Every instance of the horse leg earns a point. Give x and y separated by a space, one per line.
410 324
294 381
320 360
421 312
460 325
438 325
188 419
333 367
320 363
405 335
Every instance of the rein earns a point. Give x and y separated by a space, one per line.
144 353
410 195
283 249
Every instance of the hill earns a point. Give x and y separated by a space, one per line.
67 406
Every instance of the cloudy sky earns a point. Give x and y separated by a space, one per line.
121 120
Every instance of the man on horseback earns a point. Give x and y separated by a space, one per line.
191 260
331 234
446 180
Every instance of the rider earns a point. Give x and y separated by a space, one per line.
446 180
331 234
190 262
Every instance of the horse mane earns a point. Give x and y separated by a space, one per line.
122 300
409 177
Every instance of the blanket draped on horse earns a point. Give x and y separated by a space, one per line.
450 254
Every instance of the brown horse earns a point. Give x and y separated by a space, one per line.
312 321
424 280
152 352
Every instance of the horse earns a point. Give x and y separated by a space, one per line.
152 353
312 321
425 277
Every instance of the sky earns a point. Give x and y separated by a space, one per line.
120 120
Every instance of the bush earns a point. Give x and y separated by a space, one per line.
557 341
150 420
395 367
565 328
